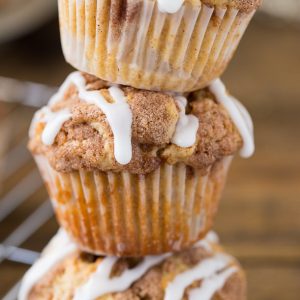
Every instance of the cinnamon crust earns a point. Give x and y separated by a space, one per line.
61 282
86 140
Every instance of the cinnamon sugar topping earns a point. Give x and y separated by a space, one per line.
147 129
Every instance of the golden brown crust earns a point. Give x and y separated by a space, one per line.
61 282
217 135
86 141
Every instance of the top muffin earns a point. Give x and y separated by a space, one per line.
157 45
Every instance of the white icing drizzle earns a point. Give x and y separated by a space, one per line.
73 78
187 126
36 118
100 283
205 269
118 114
54 122
212 271
58 249
239 116
210 239
245 114
119 117
169 6
211 285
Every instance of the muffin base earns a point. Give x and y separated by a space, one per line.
123 214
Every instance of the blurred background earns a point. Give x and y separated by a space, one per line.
259 217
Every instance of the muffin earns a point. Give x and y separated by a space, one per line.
154 44
134 172
202 272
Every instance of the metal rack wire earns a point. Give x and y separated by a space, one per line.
20 183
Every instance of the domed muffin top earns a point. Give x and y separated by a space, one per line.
89 124
201 272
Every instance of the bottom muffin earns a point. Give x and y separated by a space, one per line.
201 273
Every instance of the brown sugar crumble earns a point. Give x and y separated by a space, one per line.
86 141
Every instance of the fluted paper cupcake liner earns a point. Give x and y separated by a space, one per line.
135 215
147 49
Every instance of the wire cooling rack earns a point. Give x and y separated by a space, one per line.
26 216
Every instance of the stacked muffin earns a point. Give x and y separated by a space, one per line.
135 148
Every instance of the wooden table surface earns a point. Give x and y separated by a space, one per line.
259 217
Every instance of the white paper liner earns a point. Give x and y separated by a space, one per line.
133 215
149 49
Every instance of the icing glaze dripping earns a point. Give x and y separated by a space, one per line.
239 116
92 289
58 249
119 117
54 122
118 114
74 78
36 118
245 114
169 6
213 272
205 269
187 126
210 239
211 285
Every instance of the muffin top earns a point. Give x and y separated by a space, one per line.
201 272
91 125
